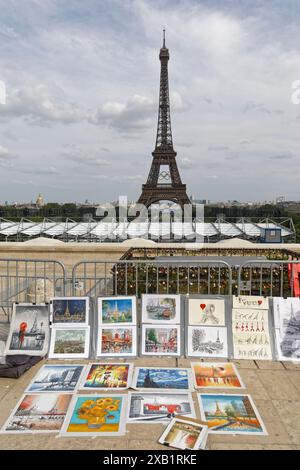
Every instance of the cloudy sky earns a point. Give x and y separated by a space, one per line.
82 83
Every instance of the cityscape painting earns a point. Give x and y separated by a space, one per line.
69 342
230 414
207 341
162 378
216 375
117 341
117 310
287 328
95 415
161 340
156 407
70 310
107 376
160 308
29 330
44 412
56 378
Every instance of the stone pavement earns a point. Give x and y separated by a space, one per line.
274 387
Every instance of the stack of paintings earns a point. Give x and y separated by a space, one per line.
161 325
29 330
70 331
207 333
287 328
250 328
116 326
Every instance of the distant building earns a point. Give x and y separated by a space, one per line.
40 201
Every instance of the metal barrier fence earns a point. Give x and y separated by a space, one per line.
134 277
29 280
267 278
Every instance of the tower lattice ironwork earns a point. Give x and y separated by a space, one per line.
164 182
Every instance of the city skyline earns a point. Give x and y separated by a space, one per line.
83 79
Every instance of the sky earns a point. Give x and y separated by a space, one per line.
82 82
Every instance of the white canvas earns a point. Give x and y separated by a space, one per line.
207 341
63 335
206 312
161 308
251 301
69 318
287 328
115 315
251 334
29 330
168 340
114 350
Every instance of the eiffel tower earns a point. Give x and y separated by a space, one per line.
164 182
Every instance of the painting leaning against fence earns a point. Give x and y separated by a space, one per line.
287 328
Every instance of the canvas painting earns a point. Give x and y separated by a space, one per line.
117 310
70 310
29 330
160 308
96 415
251 301
38 412
216 375
161 378
162 340
117 341
70 343
184 434
56 378
107 376
207 341
287 324
230 414
251 335
208 312
159 407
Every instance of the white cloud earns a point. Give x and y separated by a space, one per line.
6 158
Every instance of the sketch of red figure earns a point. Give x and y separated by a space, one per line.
22 331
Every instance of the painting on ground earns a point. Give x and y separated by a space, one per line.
38 412
161 340
287 328
207 341
117 341
163 378
230 414
56 378
160 308
70 310
29 330
96 415
251 301
69 343
117 310
184 434
156 407
207 312
216 375
115 376
251 335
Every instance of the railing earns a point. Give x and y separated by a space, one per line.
268 278
134 277
29 280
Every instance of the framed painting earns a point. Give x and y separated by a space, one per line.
117 310
161 308
231 414
69 343
216 375
56 378
207 341
96 415
38 413
184 434
69 310
107 376
161 378
29 330
162 340
116 341
206 312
